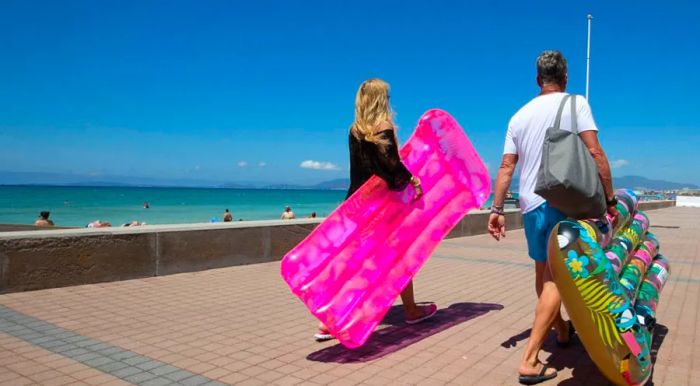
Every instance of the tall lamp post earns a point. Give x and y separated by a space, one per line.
588 56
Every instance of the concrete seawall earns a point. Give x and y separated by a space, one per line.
24 227
38 259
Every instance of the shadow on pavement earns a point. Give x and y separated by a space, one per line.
660 332
513 340
399 334
584 371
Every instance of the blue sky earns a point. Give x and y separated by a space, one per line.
248 90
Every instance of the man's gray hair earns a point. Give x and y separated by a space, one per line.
551 67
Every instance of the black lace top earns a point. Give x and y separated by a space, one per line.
368 158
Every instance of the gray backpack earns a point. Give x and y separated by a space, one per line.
568 176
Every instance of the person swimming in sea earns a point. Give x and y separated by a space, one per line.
43 220
288 214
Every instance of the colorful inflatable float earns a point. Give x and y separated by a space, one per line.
610 281
352 267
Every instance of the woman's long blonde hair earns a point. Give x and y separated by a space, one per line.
371 109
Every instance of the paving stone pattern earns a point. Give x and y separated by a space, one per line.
241 326
127 365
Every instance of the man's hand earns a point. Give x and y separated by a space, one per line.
497 226
614 215
497 220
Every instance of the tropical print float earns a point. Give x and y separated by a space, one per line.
610 280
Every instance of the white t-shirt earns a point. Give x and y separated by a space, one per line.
525 137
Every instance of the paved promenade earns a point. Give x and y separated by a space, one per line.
241 326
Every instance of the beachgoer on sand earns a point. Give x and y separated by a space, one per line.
99 224
134 223
228 216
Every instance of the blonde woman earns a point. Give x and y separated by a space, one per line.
374 150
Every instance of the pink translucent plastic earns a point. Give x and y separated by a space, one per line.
352 267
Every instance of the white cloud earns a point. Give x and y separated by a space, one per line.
262 164
618 163
242 164
319 165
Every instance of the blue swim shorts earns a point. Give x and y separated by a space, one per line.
539 222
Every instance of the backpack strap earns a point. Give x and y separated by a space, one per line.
574 121
557 121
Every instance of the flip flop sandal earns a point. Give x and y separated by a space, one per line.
572 330
535 379
429 313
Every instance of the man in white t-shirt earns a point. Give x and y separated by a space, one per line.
524 140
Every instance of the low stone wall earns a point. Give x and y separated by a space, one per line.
31 260
660 204
23 227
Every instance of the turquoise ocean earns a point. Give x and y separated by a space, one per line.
77 206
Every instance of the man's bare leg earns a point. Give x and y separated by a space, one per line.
545 313
560 326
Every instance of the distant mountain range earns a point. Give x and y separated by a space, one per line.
631 182
643 183
634 182
338 184
69 179
66 179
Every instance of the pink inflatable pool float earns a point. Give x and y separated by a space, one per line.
352 267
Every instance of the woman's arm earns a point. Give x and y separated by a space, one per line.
387 163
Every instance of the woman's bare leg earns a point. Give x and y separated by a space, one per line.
410 307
